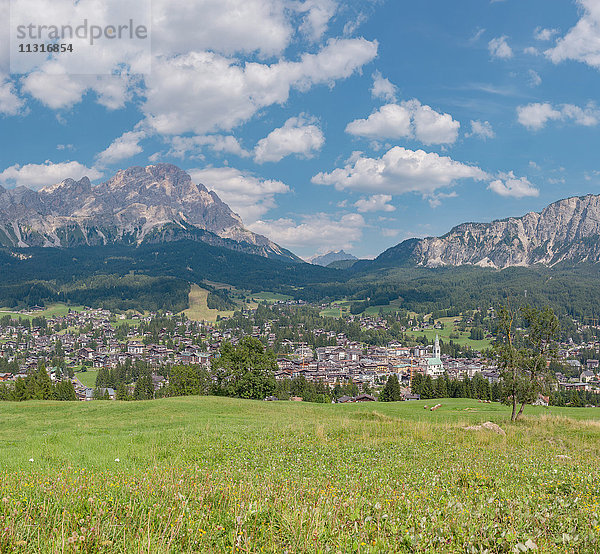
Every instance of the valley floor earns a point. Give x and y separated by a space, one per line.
208 474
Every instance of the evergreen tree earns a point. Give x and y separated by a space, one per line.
391 392
65 391
122 393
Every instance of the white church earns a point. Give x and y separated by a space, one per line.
435 367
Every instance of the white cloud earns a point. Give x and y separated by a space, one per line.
509 185
318 15
534 78
62 91
246 194
432 127
52 91
477 35
352 25
375 203
315 232
390 233
36 176
399 171
582 42
10 102
228 144
389 121
481 129
499 48
122 148
227 27
435 200
206 58
535 116
383 88
202 92
544 34
299 135
409 119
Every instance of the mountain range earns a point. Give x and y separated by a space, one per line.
566 231
140 205
145 235
160 204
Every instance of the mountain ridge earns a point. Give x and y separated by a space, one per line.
139 204
567 230
330 257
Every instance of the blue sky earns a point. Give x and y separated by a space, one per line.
329 124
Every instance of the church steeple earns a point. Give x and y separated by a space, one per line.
436 348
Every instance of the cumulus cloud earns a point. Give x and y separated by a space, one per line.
399 171
382 88
481 129
375 203
57 91
319 231
318 14
509 185
499 48
202 92
409 119
122 148
535 116
582 42
191 56
544 34
299 135
228 144
248 195
36 176
10 102
228 27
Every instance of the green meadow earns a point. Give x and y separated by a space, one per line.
58 309
87 378
450 328
204 474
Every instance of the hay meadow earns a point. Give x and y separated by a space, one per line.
205 474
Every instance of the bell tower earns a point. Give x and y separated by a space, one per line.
436 348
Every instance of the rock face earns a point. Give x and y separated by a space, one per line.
565 231
158 203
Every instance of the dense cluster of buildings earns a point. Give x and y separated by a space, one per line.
91 339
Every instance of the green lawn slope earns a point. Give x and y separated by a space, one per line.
209 474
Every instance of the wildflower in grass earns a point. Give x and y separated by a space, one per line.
31 459
117 460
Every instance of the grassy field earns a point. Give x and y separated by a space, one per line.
88 378
51 310
224 475
334 309
199 310
449 328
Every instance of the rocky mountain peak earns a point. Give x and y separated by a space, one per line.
565 231
159 202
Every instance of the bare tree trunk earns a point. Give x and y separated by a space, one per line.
520 411
514 416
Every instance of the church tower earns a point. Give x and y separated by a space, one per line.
436 348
